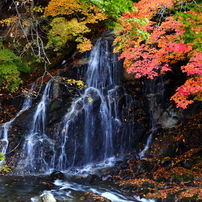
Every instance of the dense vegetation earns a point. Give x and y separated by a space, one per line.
153 36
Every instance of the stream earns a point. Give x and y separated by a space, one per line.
29 188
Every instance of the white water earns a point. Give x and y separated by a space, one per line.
101 119
33 156
142 153
4 128
91 130
153 90
74 192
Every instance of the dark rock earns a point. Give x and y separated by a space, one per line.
189 199
166 162
127 176
191 184
129 188
57 175
122 164
125 172
143 166
91 179
168 149
197 159
162 179
114 170
187 177
176 178
170 198
187 163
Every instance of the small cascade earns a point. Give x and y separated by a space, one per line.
154 91
149 140
4 136
75 192
37 142
4 128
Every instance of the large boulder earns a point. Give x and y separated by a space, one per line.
46 197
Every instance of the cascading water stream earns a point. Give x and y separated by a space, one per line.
99 106
92 129
4 128
37 142
156 89
98 76
72 192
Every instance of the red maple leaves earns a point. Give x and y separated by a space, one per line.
152 39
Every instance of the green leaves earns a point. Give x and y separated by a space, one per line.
4 168
10 68
113 9
192 21
1 157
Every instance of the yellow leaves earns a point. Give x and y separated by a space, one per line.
127 63
74 20
8 21
84 45
80 84
74 27
64 30
198 96
69 7
62 7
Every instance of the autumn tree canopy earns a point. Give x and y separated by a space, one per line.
34 30
72 20
157 35
75 19
152 36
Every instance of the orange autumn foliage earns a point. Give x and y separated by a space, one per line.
152 39
72 21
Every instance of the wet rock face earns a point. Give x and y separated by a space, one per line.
55 111
91 179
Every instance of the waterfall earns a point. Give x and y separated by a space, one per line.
4 128
93 129
37 143
154 91
97 108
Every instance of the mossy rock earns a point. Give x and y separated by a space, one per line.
185 177
200 165
197 159
189 199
